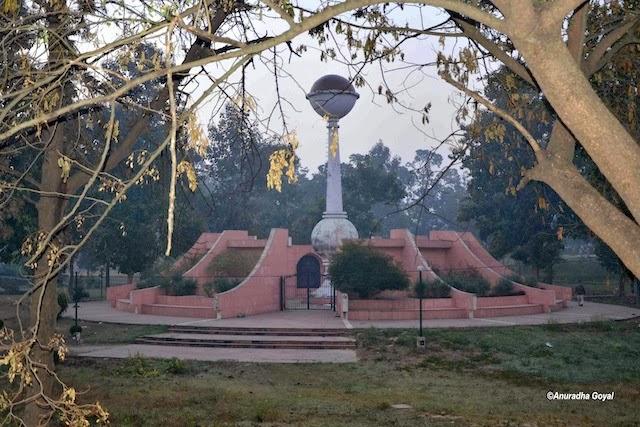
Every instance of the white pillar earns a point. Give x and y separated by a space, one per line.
334 175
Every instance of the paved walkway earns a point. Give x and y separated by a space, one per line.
254 355
590 312
102 312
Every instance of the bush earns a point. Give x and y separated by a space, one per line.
75 329
504 288
179 286
221 284
436 289
63 304
528 280
234 262
363 271
162 273
471 283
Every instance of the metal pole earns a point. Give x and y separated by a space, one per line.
308 296
75 299
420 275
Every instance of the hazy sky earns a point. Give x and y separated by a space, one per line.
372 119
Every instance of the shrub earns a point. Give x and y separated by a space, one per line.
436 289
220 284
1 323
504 288
179 286
363 271
471 283
528 280
63 304
234 262
75 329
175 366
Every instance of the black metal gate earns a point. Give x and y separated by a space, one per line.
294 298
308 289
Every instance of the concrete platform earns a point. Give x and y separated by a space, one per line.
216 354
103 312
590 312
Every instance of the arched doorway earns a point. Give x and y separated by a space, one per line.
301 291
308 272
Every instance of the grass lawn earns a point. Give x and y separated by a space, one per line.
489 376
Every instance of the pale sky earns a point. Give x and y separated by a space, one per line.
372 119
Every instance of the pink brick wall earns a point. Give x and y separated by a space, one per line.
114 293
138 297
563 293
185 300
499 301
260 291
199 248
199 271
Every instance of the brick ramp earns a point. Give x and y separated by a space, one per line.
257 338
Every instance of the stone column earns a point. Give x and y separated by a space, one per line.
334 175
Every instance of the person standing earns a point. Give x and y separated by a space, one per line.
580 291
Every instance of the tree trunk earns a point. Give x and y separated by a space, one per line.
569 92
606 221
44 300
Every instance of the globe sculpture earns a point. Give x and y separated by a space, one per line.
332 97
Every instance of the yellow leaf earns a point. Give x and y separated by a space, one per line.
65 165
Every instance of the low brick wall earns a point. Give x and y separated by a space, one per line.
114 293
186 300
563 293
544 297
502 301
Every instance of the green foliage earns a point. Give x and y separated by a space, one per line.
179 286
436 289
234 263
522 223
162 273
504 288
175 366
75 329
138 366
472 283
360 270
78 293
420 289
63 303
220 284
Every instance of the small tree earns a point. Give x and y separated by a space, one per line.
363 271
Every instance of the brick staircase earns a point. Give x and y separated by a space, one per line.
266 338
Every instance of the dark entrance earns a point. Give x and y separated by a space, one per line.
308 272
304 290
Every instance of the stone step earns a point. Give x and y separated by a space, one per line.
205 340
219 330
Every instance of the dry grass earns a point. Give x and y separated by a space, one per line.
480 377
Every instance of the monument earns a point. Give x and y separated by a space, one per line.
332 97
